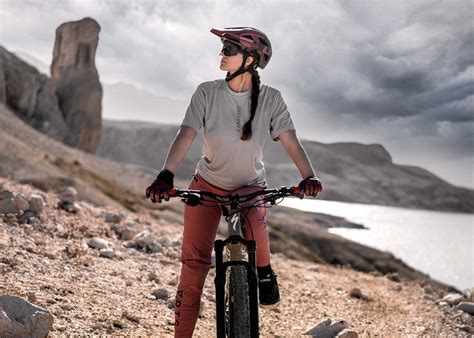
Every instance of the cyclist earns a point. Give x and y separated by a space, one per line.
236 114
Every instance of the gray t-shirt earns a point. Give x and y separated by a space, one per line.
227 161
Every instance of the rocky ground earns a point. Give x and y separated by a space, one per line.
99 271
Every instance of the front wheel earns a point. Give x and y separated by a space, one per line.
237 302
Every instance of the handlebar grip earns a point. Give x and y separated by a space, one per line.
298 192
173 192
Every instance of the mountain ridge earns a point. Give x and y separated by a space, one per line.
350 171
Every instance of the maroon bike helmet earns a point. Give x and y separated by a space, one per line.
251 40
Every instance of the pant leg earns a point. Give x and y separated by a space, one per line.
255 227
200 228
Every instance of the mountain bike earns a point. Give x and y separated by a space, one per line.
236 279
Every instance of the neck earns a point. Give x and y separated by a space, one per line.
241 83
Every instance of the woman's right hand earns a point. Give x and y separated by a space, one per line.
160 186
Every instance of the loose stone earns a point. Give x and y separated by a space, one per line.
453 298
144 239
467 307
36 204
114 217
162 294
155 247
99 243
108 253
25 218
68 195
21 202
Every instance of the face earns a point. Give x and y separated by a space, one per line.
232 63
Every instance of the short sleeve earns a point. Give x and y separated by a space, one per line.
195 113
281 119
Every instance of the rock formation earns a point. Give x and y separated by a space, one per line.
19 318
68 106
31 96
76 81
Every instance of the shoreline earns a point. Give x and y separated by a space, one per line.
304 235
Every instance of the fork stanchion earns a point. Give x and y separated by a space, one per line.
219 282
253 288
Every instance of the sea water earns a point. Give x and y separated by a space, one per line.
440 244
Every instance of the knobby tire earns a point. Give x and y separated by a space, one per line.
237 302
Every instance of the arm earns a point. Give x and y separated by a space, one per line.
180 146
293 147
164 181
310 185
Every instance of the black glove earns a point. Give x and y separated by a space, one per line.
310 186
160 186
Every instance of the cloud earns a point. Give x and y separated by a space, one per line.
368 71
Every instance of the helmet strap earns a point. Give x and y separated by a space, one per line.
240 71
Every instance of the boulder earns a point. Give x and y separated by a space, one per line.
467 307
76 81
19 318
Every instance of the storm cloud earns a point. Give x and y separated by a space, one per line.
399 73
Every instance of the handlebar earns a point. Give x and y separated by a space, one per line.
194 197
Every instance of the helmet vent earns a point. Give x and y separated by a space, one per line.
250 37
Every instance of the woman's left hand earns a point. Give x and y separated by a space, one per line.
311 186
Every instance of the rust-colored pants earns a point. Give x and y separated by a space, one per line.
200 229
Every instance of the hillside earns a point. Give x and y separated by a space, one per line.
128 287
350 172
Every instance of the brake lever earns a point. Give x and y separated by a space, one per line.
272 199
192 200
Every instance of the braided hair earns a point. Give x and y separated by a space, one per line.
247 128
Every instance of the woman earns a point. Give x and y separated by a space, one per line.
237 115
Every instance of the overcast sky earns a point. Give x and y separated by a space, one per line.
394 72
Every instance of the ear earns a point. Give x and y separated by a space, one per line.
249 61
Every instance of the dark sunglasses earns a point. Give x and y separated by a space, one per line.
230 50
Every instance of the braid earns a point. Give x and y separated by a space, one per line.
247 128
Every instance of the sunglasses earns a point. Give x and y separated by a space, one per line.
230 50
